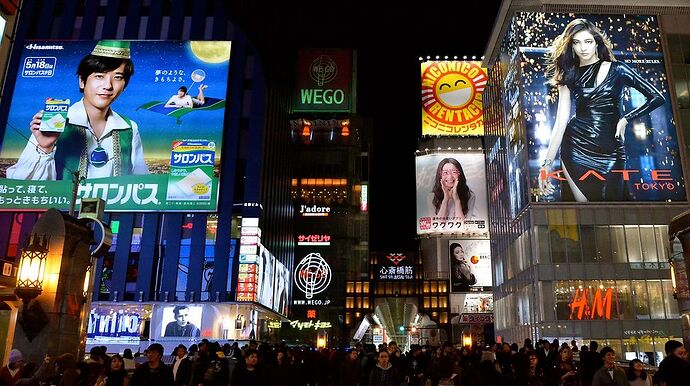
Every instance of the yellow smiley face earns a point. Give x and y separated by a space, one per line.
454 90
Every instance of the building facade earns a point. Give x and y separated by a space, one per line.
564 268
161 259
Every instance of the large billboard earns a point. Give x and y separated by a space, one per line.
451 193
312 280
598 117
139 122
452 98
470 265
323 80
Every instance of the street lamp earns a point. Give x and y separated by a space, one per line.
32 266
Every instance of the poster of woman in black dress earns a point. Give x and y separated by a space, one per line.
598 112
461 276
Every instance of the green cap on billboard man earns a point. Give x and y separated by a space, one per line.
96 141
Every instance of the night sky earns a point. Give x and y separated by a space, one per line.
389 42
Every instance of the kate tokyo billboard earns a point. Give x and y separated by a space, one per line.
598 114
139 123
451 193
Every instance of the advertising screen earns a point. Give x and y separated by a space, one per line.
266 283
116 323
177 321
281 289
598 121
470 265
140 125
452 98
451 193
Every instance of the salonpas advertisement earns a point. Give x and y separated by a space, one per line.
139 123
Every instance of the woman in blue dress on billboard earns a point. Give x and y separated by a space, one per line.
582 66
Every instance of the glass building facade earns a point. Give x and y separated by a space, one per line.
569 270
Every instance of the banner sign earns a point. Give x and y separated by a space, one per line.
395 266
323 80
145 134
617 141
463 211
470 265
452 98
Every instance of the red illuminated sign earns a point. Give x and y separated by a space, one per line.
600 308
317 239
311 314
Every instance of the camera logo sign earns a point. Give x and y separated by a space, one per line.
312 275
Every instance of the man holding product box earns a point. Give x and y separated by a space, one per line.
96 141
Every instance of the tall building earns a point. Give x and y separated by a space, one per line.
579 215
162 257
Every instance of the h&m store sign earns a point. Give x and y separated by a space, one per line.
323 82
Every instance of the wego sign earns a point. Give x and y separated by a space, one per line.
323 80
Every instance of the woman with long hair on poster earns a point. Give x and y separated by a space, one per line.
583 67
450 197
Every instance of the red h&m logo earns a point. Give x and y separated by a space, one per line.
600 309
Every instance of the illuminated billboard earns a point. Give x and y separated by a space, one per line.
312 279
451 193
395 266
113 323
598 118
323 80
141 125
470 265
452 98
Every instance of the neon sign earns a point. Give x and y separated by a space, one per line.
311 240
600 308
306 210
316 325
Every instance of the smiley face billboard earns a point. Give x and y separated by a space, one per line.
452 98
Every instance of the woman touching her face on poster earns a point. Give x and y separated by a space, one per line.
450 197
583 67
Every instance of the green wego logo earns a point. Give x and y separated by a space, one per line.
322 71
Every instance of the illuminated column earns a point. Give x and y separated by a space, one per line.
52 322
680 228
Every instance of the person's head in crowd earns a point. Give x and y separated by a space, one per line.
584 348
127 354
593 346
636 370
16 359
116 364
154 354
514 347
95 354
505 347
674 347
532 360
181 351
609 356
251 358
565 353
383 359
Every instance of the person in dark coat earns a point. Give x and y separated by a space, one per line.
182 368
383 374
248 375
675 368
153 372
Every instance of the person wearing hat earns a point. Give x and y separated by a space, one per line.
14 370
97 141
674 369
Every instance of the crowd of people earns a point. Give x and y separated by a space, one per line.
210 364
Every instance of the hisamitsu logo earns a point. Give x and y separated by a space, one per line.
39 67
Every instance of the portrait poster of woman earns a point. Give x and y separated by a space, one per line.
451 193
598 114
469 265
